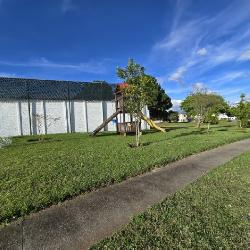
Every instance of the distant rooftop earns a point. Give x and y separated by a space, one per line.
21 88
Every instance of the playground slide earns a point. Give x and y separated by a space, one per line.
151 123
106 122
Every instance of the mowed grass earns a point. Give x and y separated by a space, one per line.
35 175
212 213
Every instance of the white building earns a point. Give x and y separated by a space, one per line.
182 117
29 106
226 117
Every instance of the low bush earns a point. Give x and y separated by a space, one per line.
5 141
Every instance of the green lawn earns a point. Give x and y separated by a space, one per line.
35 175
212 213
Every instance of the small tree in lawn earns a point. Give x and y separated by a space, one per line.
141 91
204 106
40 120
173 116
242 111
5 141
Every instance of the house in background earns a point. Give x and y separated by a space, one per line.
32 106
226 117
182 117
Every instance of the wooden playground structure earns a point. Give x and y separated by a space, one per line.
122 126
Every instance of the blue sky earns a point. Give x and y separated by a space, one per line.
182 43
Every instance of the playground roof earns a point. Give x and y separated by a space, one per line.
23 89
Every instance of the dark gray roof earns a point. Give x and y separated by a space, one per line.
20 88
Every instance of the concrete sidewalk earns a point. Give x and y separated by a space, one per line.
85 220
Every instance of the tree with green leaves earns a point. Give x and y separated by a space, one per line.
141 91
242 111
204 106
163 103
173 116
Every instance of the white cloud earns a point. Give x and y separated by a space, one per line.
4 74
67 5
199 86
180 36
223 55
88 67
231 91
198 45
177 76
202 52
228 77
176 105
245 56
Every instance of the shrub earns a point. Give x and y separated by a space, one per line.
213 120
245 123
5 141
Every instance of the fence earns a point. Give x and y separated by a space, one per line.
30 106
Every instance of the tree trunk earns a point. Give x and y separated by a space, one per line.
240 124
198 123
208 126
137 132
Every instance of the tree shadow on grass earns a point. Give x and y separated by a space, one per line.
103 134
222 129
197 132
175 128
223 126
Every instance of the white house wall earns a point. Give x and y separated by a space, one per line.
36 108
9 122
79 116
110 109
24 118
57 117
19 117
94 115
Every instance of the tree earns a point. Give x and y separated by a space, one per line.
242 111
173 116
40 120
5 141
211 117
204 106
140 91
163 103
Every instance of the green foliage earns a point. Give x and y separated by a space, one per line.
163 103
131 71
141 91
212 213
173 116
203 106
242 112
35 175
211 117
5 141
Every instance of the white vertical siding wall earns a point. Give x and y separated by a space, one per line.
94 115
74 116
24 118
110 110
36 108
144 125
57 109
9 122
79 116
